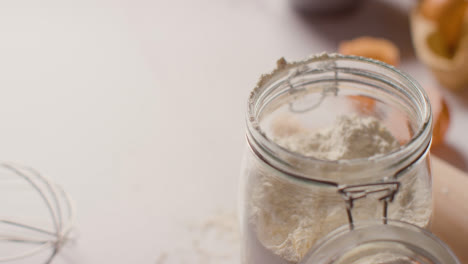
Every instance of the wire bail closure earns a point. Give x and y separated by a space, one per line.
389 189
355 192
329 89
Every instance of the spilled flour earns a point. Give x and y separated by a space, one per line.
214 239
287 218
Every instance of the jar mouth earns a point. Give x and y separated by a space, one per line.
277 155
405 239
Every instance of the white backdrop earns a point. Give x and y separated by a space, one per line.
137 109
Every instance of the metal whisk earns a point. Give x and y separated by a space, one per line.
28 229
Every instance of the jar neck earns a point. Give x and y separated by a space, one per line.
321 67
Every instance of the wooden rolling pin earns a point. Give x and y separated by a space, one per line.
450 219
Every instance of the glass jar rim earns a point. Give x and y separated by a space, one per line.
394 231
256 137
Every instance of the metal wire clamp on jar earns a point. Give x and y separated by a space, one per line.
289 201
374 242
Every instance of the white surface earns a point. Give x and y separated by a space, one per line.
137 107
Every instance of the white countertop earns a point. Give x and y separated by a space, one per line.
137 108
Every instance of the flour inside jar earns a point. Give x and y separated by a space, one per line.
288 219
350 137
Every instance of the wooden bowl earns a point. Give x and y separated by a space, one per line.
451 72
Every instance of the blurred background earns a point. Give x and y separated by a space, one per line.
137 109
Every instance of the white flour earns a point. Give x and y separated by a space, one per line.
287 218
351 137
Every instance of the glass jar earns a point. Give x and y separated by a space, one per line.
288 201
373 243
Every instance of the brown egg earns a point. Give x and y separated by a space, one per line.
440 114
440 120
374 48
363 104
370 47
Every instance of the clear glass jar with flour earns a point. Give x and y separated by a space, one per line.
331 140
